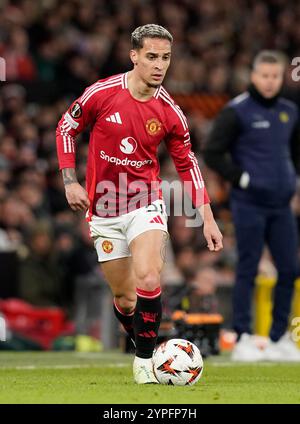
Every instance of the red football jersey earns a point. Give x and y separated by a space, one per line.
123 168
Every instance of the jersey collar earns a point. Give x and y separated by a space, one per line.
125 85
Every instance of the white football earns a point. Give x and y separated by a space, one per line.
177 362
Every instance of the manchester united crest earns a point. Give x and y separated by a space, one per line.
153 126
107 246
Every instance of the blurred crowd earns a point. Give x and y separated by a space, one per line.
73 42
54 49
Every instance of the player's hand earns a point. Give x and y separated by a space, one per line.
77 197
213 235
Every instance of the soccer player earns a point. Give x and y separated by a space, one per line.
130 115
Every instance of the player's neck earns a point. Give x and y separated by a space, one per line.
138 89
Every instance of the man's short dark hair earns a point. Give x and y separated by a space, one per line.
269 56
148 31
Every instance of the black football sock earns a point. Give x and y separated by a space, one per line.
146 321
125 319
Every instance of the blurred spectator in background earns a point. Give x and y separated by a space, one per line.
255 144
198 294
89 286
40 276
19 63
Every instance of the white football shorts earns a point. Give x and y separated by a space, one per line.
112 236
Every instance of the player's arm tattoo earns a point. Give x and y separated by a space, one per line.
163 249
69 176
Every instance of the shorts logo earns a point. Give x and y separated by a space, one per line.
153 126
128 145
157 219
76 111
107 246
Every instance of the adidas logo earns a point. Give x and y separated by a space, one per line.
157 219
115 117
148 334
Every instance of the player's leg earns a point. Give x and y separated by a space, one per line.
114 255
118 274
125 275
147 260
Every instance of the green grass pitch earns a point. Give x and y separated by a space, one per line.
69 377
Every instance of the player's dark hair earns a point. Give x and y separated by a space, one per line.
269 56
148 31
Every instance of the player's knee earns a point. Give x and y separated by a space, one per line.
126 302
149 280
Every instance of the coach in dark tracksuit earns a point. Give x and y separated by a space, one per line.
254 144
